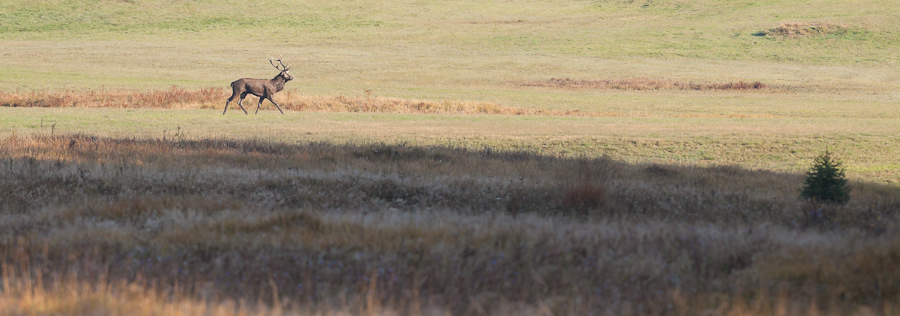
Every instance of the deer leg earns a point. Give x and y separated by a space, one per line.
276 105
226 104
260 104
241 101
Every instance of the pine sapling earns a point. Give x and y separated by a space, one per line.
825 181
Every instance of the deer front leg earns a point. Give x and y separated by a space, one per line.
261 99
276 105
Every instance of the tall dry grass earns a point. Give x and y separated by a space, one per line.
214 98
399 229
403 176
175 97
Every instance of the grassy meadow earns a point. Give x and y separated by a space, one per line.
448 157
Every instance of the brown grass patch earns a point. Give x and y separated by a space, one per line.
643 84
175 97
214 98
799 29
584 198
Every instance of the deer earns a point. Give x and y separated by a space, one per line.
262 88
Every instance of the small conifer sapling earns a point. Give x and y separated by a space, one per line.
825 181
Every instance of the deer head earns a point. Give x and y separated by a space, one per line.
284 69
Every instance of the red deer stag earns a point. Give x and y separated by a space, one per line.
262 88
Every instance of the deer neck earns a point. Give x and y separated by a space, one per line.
279 82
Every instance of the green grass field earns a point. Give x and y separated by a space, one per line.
443 200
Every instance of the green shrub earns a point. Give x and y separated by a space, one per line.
825 181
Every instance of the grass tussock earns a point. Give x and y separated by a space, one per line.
215 225
801 29
583 198
644 84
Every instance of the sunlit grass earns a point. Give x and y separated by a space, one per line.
867 146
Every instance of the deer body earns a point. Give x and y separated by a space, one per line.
262 88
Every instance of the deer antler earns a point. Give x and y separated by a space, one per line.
273 64
283 66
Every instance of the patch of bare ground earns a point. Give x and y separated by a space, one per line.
643 84
91 224
800 29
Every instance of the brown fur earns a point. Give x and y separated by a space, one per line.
262 88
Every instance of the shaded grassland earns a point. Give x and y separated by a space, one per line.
191 224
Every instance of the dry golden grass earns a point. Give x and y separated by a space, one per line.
396 229
214 98
209 98
644 84
172 98
22 295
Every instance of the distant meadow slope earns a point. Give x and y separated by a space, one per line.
445 45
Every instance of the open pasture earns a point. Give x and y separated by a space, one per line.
448 157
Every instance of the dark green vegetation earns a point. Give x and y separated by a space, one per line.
825 181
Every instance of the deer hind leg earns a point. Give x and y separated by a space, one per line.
241 101
226 103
